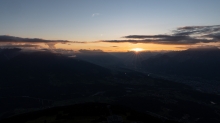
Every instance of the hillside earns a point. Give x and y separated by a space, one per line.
32 81
87 112
192 62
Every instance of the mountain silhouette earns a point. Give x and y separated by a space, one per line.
202 62
34 81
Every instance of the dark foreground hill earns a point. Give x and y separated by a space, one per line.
32 81
87 113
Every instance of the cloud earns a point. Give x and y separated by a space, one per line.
20 45
204 47
182 35
215 36
95 14
195 30
114 46
90 51
6 38
14 40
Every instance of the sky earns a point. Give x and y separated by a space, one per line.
104 24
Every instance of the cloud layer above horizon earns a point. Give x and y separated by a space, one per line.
183 35
187 35
12 41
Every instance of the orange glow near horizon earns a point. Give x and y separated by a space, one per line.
107 47
137 49
119 47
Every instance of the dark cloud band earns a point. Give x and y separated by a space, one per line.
182 35
5 38
14 41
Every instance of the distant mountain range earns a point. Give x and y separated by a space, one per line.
203 62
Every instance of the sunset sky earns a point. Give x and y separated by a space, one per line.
111 25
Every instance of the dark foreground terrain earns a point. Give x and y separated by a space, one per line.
35 81
87 113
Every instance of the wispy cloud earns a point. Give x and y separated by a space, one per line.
20 45
13 41
6 38
95 14
90 51
182 35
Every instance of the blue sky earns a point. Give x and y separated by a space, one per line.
74 20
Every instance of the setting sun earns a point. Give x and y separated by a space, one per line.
137 49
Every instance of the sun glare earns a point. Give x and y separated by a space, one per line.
137 49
